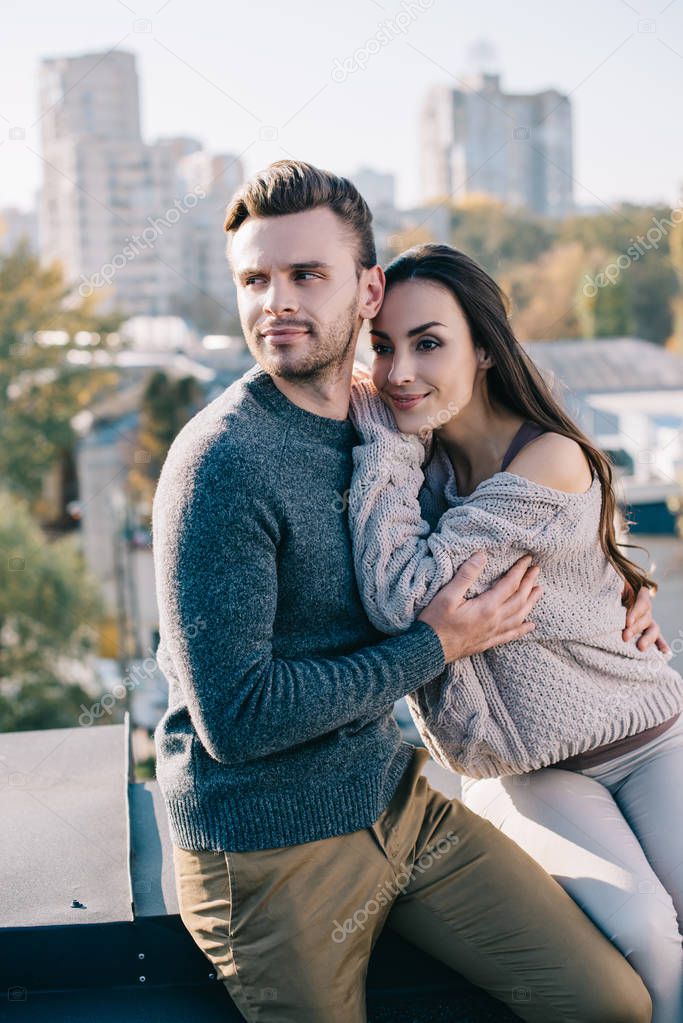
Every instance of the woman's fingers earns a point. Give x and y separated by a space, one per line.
663 645
652 636
639 617
648 637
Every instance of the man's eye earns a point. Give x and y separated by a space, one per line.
306 273
252 280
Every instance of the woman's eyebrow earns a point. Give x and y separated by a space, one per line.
411 333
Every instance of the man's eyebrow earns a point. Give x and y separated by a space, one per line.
411 333
311 264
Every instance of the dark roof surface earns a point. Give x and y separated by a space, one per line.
75 826
609 365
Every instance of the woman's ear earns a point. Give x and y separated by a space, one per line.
484 360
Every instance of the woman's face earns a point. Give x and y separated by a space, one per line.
425 366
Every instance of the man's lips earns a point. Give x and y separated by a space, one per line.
284 335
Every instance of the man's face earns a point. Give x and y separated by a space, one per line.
298 293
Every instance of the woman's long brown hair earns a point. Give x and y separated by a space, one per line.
514 381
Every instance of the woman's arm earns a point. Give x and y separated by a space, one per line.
400 562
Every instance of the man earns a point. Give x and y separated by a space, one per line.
300 820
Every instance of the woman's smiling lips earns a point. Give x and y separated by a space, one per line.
405 401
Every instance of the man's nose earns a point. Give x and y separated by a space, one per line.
280 298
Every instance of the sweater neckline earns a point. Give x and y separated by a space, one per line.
341 431
559 496
452 497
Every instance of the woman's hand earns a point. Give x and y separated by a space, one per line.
639 622
374 420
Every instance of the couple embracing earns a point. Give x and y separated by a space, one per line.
471 567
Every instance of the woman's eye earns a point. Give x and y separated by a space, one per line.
379 349
428 341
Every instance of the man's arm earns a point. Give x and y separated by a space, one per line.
216 562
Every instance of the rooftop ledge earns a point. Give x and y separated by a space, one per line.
89 924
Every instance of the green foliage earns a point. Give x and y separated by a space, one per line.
167 404
544 265
50 610
497 237
40 390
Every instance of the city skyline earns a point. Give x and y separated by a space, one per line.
281 86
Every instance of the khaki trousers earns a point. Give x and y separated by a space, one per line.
290 930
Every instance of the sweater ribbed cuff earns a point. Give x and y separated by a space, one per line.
424 657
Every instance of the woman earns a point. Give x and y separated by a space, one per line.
571 738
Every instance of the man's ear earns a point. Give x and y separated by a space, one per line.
372 283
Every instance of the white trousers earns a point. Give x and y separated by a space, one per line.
612 836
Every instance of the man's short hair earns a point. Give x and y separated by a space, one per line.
292 186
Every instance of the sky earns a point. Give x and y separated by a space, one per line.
341 85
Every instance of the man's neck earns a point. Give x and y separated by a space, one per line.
327 397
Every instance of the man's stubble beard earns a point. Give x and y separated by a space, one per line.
325 355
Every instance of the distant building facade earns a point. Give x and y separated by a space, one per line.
377 187
515 147
627 394
125 218
17 226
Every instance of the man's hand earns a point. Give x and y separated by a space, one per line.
467 627
639 621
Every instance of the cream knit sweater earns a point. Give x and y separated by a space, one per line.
567 687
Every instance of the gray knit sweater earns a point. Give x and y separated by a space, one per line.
567 687
279 727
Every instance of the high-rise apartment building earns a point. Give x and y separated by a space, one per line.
517 148
118 213
377 188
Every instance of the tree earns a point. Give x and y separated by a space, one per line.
43 386
675 339
167 404
498 237
545 295
50 609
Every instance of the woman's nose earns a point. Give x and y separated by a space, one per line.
401 371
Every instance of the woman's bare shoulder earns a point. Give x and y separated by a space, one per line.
554 461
